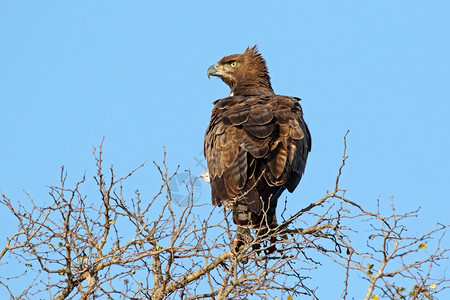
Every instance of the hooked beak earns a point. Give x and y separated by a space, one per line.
213 71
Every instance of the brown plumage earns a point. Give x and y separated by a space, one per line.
257 142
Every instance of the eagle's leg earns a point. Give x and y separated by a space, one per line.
243 237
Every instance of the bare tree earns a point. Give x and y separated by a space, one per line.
119 247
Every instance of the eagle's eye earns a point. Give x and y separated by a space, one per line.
233 64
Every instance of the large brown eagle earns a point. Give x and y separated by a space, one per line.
256 144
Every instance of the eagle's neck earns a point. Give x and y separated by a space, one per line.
256 87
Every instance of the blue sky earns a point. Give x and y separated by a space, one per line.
134 72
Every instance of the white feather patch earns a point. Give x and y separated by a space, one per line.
205 176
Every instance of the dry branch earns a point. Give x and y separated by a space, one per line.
128 247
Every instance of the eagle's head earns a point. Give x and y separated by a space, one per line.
243 73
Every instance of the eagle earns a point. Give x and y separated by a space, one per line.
256 144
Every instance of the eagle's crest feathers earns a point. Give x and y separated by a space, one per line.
244 73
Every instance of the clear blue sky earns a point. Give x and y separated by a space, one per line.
134 72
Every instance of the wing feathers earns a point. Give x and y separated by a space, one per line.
255 148
295 130
257 151
260 116
259 131
238 116
277 160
